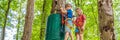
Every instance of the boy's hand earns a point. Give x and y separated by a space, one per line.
73 22
66 22
66 19
61 8
69 26
82 29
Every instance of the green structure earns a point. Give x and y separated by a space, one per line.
54 30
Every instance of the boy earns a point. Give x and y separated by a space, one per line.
68 21
80 23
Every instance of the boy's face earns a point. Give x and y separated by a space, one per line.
68 7
78 11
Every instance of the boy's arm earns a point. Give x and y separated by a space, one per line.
63 10
83 27
84 24
73 21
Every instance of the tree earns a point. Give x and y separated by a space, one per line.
6 14
43 22
18 25
45 11
28 20
106 20
56 4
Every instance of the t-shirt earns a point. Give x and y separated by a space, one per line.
80 20
69 13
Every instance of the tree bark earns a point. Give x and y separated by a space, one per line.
18 26
43 20
28 20
106 20
56 4
6 14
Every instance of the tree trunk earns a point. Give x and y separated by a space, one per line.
43 19
43 22
28 20
106 20
19 23
6 14
56 4
18 26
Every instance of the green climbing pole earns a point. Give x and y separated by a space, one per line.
53 31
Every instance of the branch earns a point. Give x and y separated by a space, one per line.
6 14
1 7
